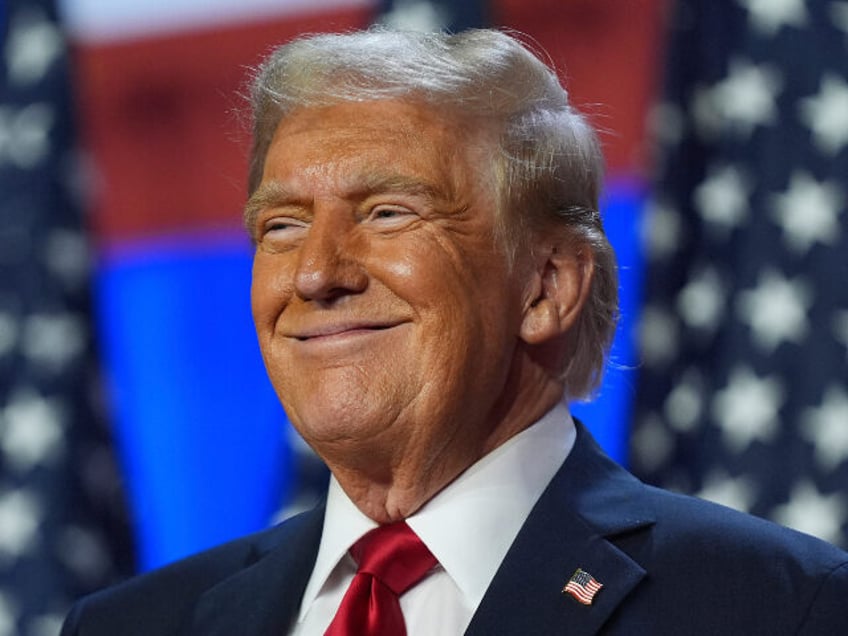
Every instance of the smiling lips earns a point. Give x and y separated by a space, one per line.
333 330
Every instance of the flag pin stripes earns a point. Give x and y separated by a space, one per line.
582 586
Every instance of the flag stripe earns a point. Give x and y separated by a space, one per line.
582 586
95 21
159 116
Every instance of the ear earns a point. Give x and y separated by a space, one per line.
558 292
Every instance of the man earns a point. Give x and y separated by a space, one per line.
431 285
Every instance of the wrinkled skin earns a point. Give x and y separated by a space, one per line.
400 341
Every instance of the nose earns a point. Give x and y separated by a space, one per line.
328 266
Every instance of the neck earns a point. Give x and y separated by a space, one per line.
389 485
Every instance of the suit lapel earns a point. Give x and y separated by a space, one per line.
265 596
589 501
573 525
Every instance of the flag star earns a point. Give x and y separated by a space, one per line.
840 328
7 127
747 408
661 229
705 112
746 97
34 43
810 511
683 406
839 15
24 134
416 15
807 211
45 625
658 335
53 340
83 552
826 426
768 16
701 302
722 198
666 123
8 615
776 309
826 114
652 443
20 517
8 333
738 493
67 255
30 431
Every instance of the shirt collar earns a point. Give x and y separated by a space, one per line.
471 523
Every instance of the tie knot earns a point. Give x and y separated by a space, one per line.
395 555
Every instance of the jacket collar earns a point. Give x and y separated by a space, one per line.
264 597
588 503
573 525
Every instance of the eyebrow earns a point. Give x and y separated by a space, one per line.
275 194
267 195
395 183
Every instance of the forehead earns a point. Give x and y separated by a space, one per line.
401 118
353 139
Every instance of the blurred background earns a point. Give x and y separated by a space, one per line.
136 421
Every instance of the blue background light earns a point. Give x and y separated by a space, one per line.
200 430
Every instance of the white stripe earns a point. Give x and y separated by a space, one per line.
111 20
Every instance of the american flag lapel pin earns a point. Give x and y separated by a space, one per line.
582 586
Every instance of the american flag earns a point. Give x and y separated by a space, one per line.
582 586
743 396
62 529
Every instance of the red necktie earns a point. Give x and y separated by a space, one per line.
391 560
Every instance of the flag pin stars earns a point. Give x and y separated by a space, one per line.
582 586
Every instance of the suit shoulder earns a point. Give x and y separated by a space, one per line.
160 601
828 609
688 522
741 563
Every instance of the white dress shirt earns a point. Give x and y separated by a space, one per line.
468 526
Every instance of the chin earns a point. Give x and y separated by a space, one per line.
328 419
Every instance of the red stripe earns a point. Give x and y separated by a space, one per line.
608 52
579 595
158 116
578 591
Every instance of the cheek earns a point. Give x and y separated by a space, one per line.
428 270
455 299
269 291
459 287
402 268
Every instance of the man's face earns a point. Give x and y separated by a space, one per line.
387 314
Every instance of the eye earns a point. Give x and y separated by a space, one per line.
279 226
283 224
279 231
391 215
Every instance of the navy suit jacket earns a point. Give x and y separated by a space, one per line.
669 564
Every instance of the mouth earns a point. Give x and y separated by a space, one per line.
340 329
